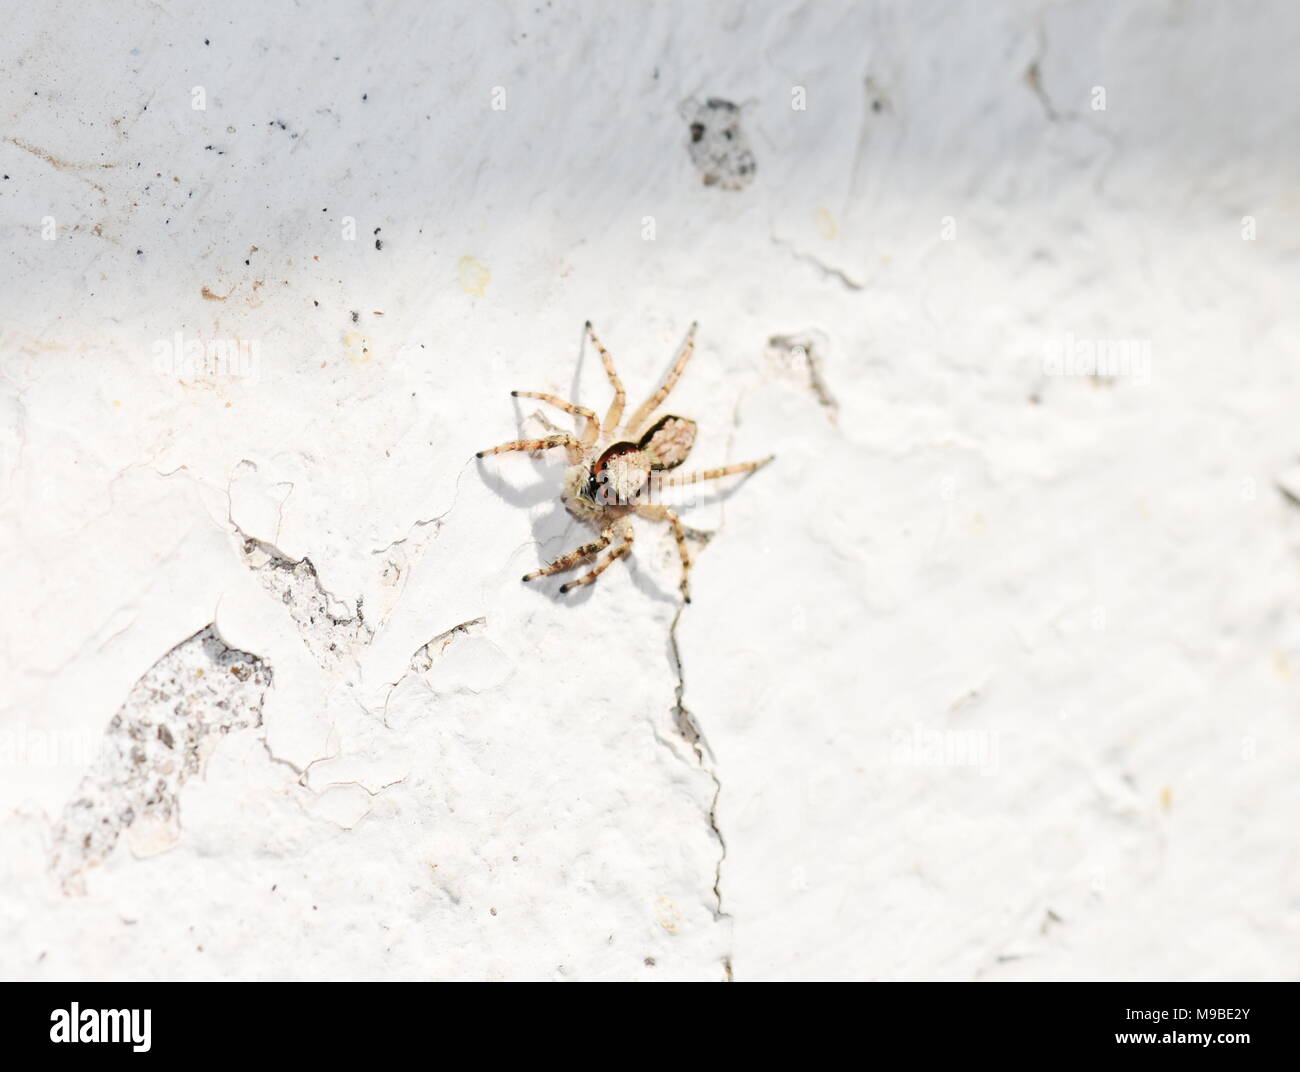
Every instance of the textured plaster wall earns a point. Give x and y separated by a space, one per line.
992 674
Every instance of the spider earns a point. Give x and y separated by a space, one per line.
610 478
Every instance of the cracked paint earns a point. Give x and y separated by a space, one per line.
331 634
160 737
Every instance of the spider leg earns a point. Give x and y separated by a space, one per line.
571 559
621 551
713 474
571 443
670 381
663 513
593 426
615 413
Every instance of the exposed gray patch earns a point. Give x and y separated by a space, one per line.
331 634
162 734
717 144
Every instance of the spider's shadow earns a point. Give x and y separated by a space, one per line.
556 531
577 368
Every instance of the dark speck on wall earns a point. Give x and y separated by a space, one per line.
718 146
206 41
355 316
379 243
365 96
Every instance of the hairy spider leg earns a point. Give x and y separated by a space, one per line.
615 412
713 474
570 443
664 513
656 400
568 561
589 433
621 551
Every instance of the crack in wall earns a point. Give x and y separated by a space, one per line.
428 654
690 731
826 269
162 735
801 354
1033 78
1034 75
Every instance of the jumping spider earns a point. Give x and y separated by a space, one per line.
609 476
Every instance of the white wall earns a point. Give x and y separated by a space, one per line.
996 669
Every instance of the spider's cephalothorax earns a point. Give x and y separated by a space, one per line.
616 469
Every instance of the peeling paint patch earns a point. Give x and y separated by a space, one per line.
331 634
424 659
474 663
718 146
162 734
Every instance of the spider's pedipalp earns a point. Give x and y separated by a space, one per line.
568 561
621 551
572 445
670 381
593 425
615 412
